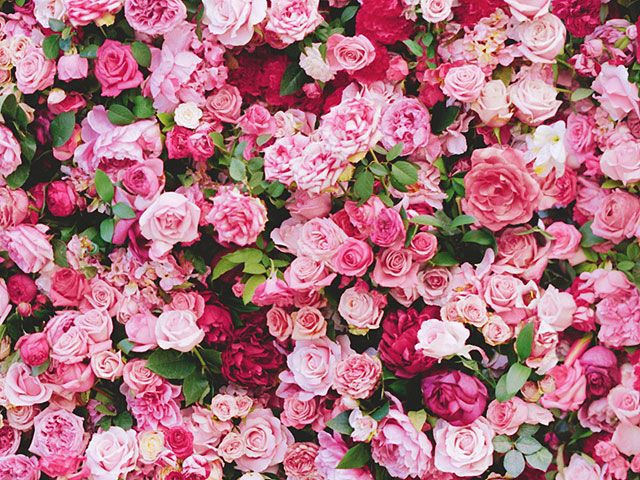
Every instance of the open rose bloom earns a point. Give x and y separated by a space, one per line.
319 239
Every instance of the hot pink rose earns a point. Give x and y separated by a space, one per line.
232 23
112 453
464 83
387 228
332 450
178 330
9 153
19 466
171 219
237 218
617 96
620 162
570 388
618 217
28 247
454 396
34 72
72 67
352 258
82 13
542 38
116 69
466 450
265 441
154 17
23 389
9 440
357 375
291 20
349 53
499 191
62 198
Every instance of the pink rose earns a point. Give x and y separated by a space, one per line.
492 106
265 441
279 323
298 413
305 205
423 246
618 316
320 239
21 418
279 157
570 388
28 246
178 330
313 364
467 449
82 13
23 389
14 204
619 162
618 217
400 448
434 285
332 450
349 53
291 20
362 308
434 11
112 453
319 169
440 339
526 9
171 219
139 378
352 258
107 364
408 121
237 218
34 349
542 38
19 466
579 137
72 67
58 432
395 268
625 403
534 99
225 104
34 72
464 83
499 190
501 293
556 309
5 306
154 17
566 241
617 96
357 375
9 440
308 323
116 69
506 417
626 439
9 153
305 273
496 331
582 468
387 228
299 461
232 23
61 198
525 255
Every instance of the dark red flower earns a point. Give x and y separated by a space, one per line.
21 288
601 369
470 12
580 17
62 199
217 324
383 21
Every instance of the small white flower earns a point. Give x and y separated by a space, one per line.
314 65
546 149
188 115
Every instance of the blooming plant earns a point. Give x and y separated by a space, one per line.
319 239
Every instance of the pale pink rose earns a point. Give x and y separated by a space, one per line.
112 454
231 447
265 441
580 467
27 246
305 274
472 309
617 96
82 13
496 331
154 17
308 323
5 305
299 461
72 67
236 217
620 162
423 246
556 309
349 53
34 72
626 438
361 308
534 99
618 316
400 448
501 292
332 450
492 106
352 258
395 268
570 388
315 65
579 137
225 104
14 204
566 240
298 413
542 39
320 239
58 432
506 417
499 190
406 120
178 330
289 21
441 339
279 323
464 83
467 450
357 375
625 404
279 157
224 407
434 285
9 153
72 346
138 377
23 389
171 219
319 168
305 205
434 11
364 426
522 254
107 364
232 22
618 217
525 9
313 364
22 417
100 296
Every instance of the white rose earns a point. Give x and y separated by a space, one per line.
188 115
314 65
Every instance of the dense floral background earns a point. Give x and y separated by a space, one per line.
319 239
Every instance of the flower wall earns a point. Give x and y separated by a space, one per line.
319 239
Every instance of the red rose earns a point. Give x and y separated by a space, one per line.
34 349
68 287
383 21
375 71
22 288
217 325
62 199
470 12
580 17
180 441
399 338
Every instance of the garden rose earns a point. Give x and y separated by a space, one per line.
299 461
291 20
454 396
408 121
357 375
178 330
57 432
466 450
153 17
112 453
116 68
232 22
236 217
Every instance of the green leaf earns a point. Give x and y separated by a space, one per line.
444 259
404 173
511 382
238 170
442 117
502 443
429 220
245 255
195 387
143 107
524 342
254 268
481 237
122 210
528 445
514 463
51 46
540 460
356 457
580 94
19 176
56 25
462 220
348 13
61 128
218 140
125 346
28 147
378 169
90 51
395 151
141 53
292 80
626 265
250 287
262 139
59 252
589 239
341 424
39 369
120 115
9 106
414 47
527 430
363 186
171 364
106 229
380 412
223 266
104 187
123 420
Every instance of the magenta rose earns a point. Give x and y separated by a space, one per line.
180 440
454 396
217 325
116 68
601 369
499 190
34 349
62 198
